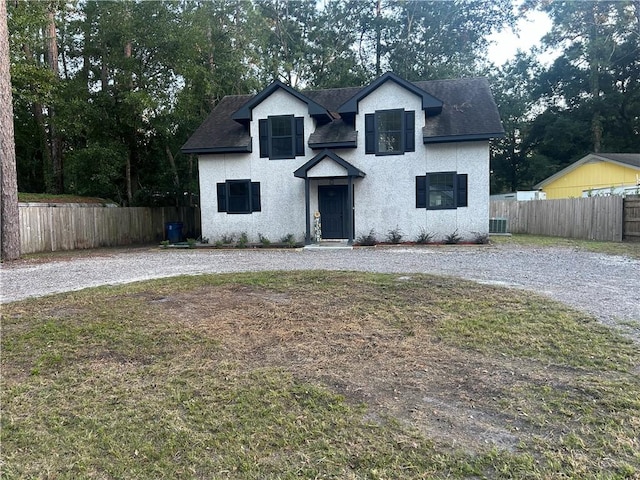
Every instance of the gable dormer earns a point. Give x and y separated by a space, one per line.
277 114
430 104
385 113
245 113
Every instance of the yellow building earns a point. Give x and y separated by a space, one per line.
595 174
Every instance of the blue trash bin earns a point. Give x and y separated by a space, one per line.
174 232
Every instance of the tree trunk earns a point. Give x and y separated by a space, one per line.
9 215
378 37
55 141
132 144
594 81
174 170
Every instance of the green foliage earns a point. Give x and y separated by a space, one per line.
452 238
394 235
367 240
242 240
159 378
227 239
480 238
289 239
424 236
132 113
264 240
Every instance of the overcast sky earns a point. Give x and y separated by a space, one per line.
531 28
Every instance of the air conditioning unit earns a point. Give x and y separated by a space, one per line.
498 225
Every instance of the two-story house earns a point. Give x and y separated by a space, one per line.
391 155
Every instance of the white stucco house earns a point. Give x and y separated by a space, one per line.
390 155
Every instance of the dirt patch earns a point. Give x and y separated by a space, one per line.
455 396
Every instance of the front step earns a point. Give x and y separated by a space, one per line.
329 244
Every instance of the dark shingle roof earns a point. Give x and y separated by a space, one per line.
469 112
218 133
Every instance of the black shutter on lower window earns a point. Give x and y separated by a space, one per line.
222 197
410 131
255 197
421 192
462 190
263 134
369 133
299 124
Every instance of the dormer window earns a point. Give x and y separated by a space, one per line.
281 137
390 132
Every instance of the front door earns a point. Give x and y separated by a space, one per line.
332 201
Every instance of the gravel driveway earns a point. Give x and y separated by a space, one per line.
603 285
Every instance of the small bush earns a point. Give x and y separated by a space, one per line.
227 239
264 240
289 239
368 240
394 236
452 238
164 243
424 236
481 238
243 240
191 242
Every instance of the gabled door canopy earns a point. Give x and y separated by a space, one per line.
352 172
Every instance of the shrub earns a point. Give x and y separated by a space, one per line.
191 242
289 239
394 236
452 238
264 240
227 239
481 238
243 240
368 240
424 236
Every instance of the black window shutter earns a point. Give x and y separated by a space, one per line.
299 135
409 131
255 197
369 133
222 197
421 192
462 190
263 127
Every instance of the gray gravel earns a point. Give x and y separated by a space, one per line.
603 285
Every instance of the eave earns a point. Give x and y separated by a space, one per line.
430 104
203 150
244 114
462 138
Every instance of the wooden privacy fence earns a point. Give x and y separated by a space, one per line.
632 218
594 218
51 227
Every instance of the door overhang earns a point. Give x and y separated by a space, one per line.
328 165
332 161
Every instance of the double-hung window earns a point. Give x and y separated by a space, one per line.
281 137
390 132
441 190
238 196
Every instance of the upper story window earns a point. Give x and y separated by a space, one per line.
281 137
390 132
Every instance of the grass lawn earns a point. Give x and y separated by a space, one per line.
630 249
314 375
